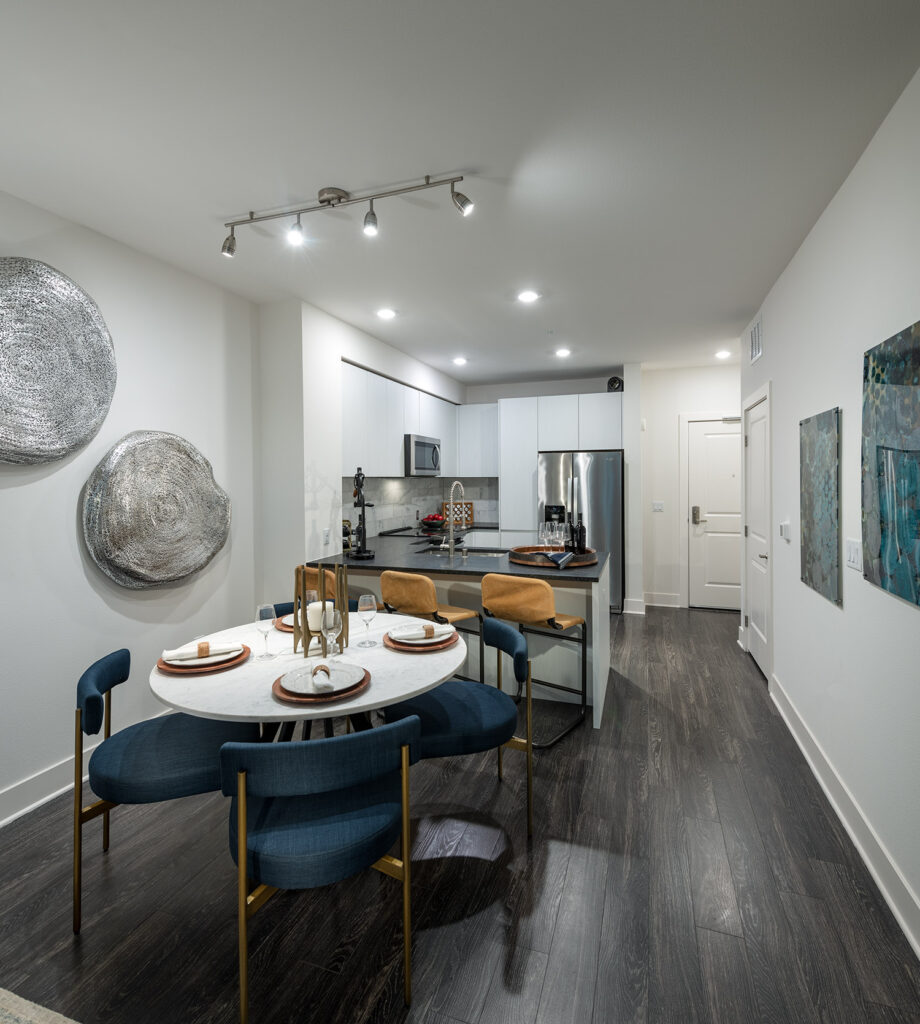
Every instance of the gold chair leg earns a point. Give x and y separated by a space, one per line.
529 735
407 892
77 825
241 894
498 683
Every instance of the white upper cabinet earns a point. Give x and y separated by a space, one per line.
410 410
558 423
517 427
600 421
438 419
477 440
355 450
385 418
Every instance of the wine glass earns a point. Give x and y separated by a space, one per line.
332 626
367 609
265 620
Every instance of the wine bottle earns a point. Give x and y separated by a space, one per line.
569 534
581 536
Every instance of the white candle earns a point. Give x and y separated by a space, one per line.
315 615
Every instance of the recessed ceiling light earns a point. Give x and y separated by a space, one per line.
460 361
528 295
724 354
563 352
386 314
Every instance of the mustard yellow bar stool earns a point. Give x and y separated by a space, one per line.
531 604
411 593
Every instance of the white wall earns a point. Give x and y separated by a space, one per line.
848 679
184 352
666 395
633 599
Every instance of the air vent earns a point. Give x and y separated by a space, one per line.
756 339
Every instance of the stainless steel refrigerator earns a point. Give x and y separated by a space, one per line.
590 483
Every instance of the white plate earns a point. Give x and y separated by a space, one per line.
213 659
287 620
343 674
398 633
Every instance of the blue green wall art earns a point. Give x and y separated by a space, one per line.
891 465
819 502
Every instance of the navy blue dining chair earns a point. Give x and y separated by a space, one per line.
164 758
464 716
309 813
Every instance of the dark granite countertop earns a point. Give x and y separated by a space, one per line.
414 532
394 553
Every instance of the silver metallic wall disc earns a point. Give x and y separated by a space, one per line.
57 363
152 512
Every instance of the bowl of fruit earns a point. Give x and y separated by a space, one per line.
434 522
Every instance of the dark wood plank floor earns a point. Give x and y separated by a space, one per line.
686 868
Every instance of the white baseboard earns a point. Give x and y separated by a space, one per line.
895 888
633 606
663 600
742 638
30 793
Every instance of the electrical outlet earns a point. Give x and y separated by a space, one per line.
854 554
658 506
325 537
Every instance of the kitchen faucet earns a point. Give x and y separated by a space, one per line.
450 514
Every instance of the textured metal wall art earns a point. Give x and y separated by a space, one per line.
891 465
819 502
152 512
57 364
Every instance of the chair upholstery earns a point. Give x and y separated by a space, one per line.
411 593
531 604
465 717
161 759
310 813
459 717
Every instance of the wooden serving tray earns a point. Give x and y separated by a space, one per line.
461 511
441 645
319 698
536 555
198 670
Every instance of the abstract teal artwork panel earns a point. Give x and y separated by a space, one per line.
891 465
819 502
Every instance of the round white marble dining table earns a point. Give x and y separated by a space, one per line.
244 693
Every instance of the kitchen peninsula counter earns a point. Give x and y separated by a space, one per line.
583 591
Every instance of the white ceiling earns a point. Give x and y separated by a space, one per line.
650 168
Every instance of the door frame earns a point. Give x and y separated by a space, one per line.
763 393
683 516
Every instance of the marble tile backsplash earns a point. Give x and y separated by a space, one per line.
397 499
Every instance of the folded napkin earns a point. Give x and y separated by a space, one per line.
202 649
322 679
426 631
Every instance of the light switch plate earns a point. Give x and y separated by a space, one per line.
658 506
785 530
325 536
854 554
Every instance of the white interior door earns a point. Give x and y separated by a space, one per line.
758 579
714 478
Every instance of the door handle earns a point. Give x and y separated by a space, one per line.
695 516
764 557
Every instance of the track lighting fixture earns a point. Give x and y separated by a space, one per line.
331 198
295 233
463 204
370 222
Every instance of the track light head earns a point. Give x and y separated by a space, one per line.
228 249
295 233
370 222
464 204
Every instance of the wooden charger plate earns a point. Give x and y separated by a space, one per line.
283 626
198 670
441 645
319 698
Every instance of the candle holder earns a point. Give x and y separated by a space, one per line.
307 579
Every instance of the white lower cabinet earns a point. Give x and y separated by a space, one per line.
518 538
482 539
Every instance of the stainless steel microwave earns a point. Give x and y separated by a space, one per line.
423 455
